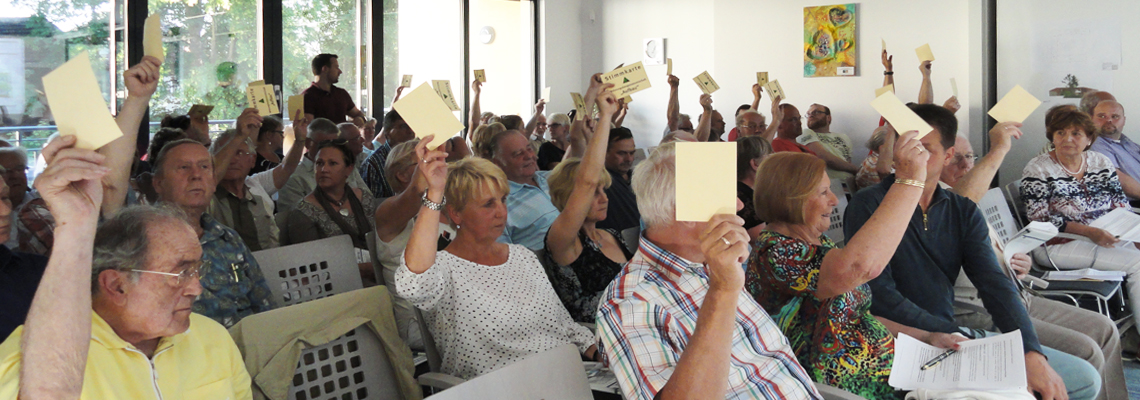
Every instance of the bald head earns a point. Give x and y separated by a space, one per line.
1108 116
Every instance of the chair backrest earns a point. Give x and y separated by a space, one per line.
310 270
1017 207
377 269
556 374
434 358
632 238
997 214
835 231
353 366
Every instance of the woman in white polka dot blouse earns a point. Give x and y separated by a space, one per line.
488 304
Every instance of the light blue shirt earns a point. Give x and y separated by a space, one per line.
529 213
1124 154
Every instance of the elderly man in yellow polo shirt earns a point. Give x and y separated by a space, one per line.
142 341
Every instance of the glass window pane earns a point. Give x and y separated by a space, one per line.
312 27
423 38
211 55
508 57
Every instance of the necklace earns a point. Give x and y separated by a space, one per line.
339 204
1080 170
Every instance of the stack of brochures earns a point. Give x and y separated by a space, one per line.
1085 274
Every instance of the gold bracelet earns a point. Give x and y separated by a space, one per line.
912 182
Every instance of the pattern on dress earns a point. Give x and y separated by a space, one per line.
1052 195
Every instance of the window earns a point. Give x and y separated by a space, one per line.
423 38
312 27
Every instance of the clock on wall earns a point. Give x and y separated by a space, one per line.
653 52
486 34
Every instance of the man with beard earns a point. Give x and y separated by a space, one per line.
833 148
323 100
623 213
1124 153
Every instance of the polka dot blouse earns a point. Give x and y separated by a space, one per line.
484 317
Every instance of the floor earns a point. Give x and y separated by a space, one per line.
1132 375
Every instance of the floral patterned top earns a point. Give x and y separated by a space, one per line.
1052 195
836 340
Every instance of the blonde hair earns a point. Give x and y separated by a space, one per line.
562 181
402 156
468 177
481 138
784 182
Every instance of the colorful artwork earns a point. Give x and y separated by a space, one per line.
829 40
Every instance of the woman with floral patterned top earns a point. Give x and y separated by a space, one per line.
816 292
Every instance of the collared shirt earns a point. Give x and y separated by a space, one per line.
201 363
19 277
622 213
1124 153
529 213
373 172
302 183
916 288
647 317
258 199
232 284
333 105
837 144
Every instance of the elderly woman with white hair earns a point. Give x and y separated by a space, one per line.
552 152
488 304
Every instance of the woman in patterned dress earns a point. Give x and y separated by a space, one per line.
818 293
1071 187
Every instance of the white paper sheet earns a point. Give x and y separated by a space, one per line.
1121 222
991 363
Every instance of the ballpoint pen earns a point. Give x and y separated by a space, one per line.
932 363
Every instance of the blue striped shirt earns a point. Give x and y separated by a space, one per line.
648 315
529 213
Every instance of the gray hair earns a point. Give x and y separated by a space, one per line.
224 138
122 242
160 160
877 139
322 126
745 113
342 128
18 151
654 186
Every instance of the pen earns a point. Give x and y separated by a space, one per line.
932 363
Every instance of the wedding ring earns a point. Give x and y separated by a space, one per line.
726 243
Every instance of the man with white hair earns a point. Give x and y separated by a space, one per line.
676 321
244 202
303 180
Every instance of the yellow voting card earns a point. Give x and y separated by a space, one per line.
774 90
706 182
481 75
762 78
443 89
152 37
669 68
263 98
200 110
899 115
579 105
546 94
884 89
627 80
296 103
954 87
425 112
884 44
627 99
706 82
924 53
78 106
1015 106
406 81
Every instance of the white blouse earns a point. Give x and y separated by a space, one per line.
484 317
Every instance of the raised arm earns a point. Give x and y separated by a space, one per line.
885 166
579 130
888 69
420 252
394 213
533 123
871 248
399 92
704 126
926 90
673 108
283 171
141 81
777 115
756 96
247 124
562 239
476 117
57 332
975 183
619 116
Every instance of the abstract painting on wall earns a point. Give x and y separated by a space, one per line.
829 40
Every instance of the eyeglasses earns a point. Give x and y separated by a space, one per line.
968 158
754 127
818 113
183 277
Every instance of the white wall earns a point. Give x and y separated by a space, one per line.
436 25
734 39
1021 62
508 60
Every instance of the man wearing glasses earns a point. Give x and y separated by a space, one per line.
115 323
833 148
303 180
963 162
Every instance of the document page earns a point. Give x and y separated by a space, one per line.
1120 222
982 364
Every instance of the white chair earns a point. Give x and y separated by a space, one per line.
834 393
835 231
632 238
556 374
311 270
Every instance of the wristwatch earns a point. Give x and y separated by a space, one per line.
431 204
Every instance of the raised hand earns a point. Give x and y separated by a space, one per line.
141 80
910 157
477 87
706 102
1002 135
724 242
888 62
249 122
301 125
607 104
674 81
540 106
432 167
756 91
925 69
71 184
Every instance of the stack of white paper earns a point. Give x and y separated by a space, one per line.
1082 274
1029 238
1122 223
992 363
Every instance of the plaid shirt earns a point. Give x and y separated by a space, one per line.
649 312
373 172
35 226
529 213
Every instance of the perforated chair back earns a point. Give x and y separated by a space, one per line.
353 366
632 238
434 358
1017 207
556 374
996 212
311 270
835 230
